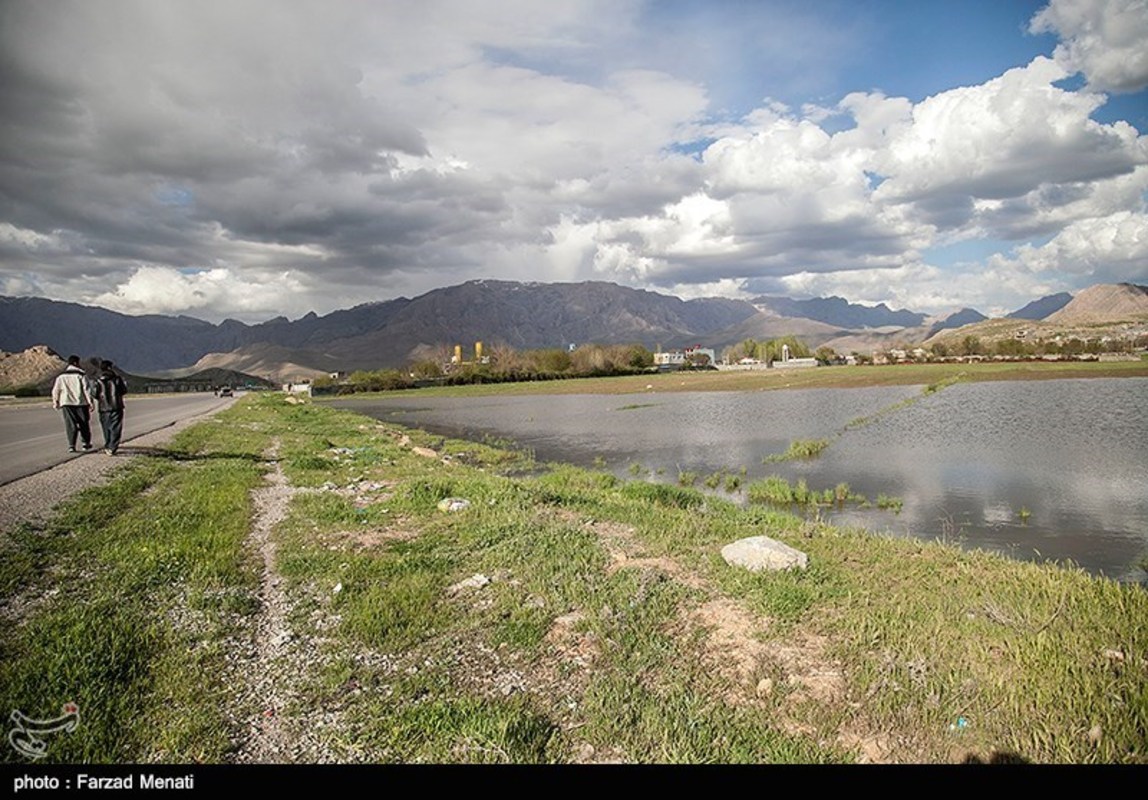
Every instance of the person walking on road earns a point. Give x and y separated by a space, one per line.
70 394
110 391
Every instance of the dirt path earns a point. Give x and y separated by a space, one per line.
269 687
271 667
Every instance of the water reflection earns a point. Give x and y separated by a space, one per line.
1032 469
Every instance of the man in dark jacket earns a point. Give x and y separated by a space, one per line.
110 391
70 394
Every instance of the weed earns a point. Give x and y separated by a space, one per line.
894 504
799 449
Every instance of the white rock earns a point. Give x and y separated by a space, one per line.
453 504
476 581
756 553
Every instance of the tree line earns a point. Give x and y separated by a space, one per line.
501 363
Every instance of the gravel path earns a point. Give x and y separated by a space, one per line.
32 498
269 740
269 666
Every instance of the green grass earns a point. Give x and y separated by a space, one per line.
687 478
799 449
610 629
120 565
894 504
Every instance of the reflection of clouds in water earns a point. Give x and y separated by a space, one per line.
999 514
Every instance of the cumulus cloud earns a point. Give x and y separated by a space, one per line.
1003 139
1104 39
1107 249
165 290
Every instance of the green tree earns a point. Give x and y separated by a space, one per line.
969 346
425 369
550 361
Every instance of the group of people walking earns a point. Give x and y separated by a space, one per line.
78 396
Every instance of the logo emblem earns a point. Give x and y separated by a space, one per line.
26 736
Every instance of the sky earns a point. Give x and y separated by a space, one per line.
255 158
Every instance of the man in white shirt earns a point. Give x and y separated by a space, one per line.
70 394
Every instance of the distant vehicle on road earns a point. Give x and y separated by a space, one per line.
226 392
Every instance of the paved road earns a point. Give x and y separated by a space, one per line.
32 436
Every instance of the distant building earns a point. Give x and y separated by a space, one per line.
682 358
795 363
787 362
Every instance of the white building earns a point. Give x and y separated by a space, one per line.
680 358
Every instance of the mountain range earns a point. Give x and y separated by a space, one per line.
522 315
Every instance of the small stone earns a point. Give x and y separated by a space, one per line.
476 581
338 588
452 504
1095 735
765 687
1115 656
535 601
425 452
757 553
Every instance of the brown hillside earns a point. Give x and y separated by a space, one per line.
1104 302
35 366
276 364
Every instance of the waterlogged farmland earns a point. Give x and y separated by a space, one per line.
1048 470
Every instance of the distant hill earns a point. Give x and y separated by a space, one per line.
522 315
37 367
966 316
223 377
373 335
1039 309
536 315
839 313
270 362
153 343
766 325
32 367
1110 302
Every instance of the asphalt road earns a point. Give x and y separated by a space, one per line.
32 436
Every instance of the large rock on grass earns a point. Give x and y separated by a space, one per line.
756 553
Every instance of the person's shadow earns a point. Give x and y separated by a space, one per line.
177 455
997 757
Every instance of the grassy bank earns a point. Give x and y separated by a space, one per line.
570 616
822 377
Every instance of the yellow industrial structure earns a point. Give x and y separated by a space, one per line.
478 359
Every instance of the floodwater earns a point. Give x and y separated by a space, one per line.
1038 470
